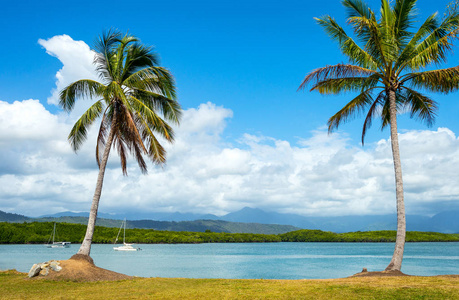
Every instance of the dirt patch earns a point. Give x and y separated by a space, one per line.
380 274
81 268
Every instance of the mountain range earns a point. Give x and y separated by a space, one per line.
445 222
193 226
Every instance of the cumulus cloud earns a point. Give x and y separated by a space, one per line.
77 59
319 175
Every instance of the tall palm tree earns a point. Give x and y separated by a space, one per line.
387 68
134 99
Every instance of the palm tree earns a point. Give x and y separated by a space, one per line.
387 68
134 99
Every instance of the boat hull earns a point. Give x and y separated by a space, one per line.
59 245
125 249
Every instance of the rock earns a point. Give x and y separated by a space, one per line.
364 270
54 265
35 270
43 268
44 272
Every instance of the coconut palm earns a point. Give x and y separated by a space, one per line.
388 68
134 100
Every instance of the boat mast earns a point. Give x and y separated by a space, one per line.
54 231
119 231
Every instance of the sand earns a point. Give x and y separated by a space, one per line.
81 268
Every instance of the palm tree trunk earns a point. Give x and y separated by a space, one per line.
396 262
85 247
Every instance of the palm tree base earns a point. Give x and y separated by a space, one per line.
391 268
83 257
391 273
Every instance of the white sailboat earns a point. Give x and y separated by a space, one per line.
56 244
125 247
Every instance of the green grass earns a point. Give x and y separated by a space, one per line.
14 285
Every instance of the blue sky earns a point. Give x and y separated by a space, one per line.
239 61
249 56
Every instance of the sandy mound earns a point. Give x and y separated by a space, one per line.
380 274
82 268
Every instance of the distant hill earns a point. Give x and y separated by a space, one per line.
82 214
9 217
444 222
447 222
248 214
195 226
213 225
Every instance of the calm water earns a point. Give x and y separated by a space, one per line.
259 260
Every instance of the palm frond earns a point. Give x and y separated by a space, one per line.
357 9
401 107
101 136
156 152
434 48
385 114
104 54
341 85
335 72
348 46
137 153
372 111
404 11
79 89
122 50
138 57
442 80
130 127
116 93
154 79
355 106
421 107
78 134
169 108
152 120
429 25
121 148
367 30
106 41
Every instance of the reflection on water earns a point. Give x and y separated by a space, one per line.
255 260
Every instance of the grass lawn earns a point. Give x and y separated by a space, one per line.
14 285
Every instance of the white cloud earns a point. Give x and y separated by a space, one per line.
76 57
320 175
26 120
205 175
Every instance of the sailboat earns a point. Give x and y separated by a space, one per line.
56 244
125 247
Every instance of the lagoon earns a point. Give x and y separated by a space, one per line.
248 260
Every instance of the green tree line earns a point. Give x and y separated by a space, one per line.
40 232
365 236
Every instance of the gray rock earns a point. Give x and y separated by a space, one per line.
44 272
35 270
54 265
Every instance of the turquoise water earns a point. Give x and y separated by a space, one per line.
255 260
